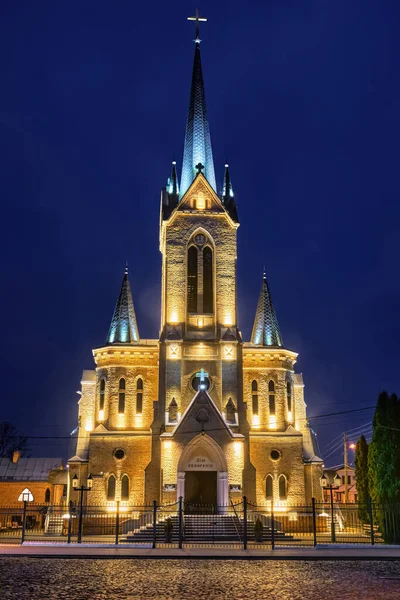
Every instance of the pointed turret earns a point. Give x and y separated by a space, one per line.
197 148
173 184
266 329
123 328
228 197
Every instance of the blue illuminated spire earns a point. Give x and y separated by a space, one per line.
228 197
227 189
266 329
123 328
197 149
173 184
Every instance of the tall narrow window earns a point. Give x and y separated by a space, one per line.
47 495
282 487
208 296
192 280
230 412
121 397
139 396
271 390
125 488
289 396
269 487
102 393
111 488
173 411
254 396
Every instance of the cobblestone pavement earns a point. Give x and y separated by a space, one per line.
91 579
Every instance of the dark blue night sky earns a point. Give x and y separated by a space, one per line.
303 101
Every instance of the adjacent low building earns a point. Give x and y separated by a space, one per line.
37 480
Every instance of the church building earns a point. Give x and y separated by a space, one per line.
198 413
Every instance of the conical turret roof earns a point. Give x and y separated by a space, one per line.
266 329
123 328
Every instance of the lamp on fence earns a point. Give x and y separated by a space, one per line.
331 485
81 489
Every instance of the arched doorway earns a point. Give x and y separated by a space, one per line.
203 474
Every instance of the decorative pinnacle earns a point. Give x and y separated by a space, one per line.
126 268
197 19
199 167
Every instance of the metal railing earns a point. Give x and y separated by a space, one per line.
243 524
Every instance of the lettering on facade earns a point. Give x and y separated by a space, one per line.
200 463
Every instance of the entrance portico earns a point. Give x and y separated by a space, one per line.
202 476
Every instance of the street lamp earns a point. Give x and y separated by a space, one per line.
327 485
81 489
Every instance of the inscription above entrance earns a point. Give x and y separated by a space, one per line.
200 463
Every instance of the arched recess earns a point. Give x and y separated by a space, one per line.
200 273
47 495
125 487
205 446
269 487
111 485
282 483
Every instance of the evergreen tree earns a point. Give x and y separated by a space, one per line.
361 473
384 463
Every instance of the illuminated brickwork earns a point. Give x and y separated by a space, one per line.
197 399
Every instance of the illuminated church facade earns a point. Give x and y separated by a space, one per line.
197 413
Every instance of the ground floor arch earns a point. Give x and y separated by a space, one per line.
202 476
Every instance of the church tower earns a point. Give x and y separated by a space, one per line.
198 413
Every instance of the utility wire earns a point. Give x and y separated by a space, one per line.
342 412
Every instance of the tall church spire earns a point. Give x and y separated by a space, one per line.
266 329
197 149
123 328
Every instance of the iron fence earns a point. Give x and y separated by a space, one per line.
241 524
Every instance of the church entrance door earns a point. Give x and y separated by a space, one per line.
200 492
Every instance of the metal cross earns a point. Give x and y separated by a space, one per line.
197 19
202 374
199 167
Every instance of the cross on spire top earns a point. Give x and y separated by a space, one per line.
197 19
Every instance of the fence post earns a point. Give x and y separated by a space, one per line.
333 532
180 522
117 524
154 522
69 523
371 521
272 527
244 523
23 523
80 522
314 522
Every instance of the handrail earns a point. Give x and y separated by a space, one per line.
240 525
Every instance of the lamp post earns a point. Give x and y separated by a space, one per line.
327 485
81 489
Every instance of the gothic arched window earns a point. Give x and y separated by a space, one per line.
289 396
208 295
230 412
282 487
102 394
111 488
139 396
254 397
125 487
121 397
192 280
271 390
269 487
173 411
47 495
